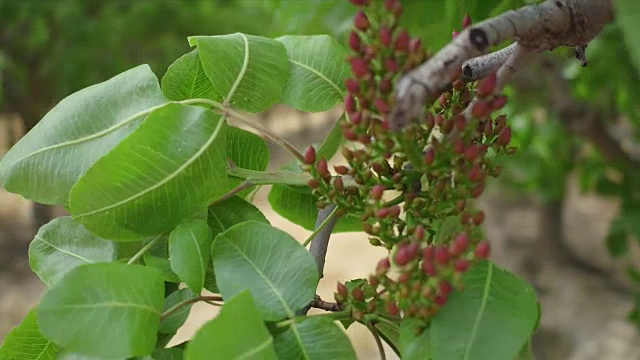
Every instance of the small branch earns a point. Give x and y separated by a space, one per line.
481 66
184 303
536 28
243 186
376 337
318 303
144 249
228 112
325 221
321 226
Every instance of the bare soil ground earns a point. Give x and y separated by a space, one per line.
583 307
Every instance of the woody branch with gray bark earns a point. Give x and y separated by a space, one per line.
534 29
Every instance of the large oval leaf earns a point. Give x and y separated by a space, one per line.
108 310
317 72
232 211
189 252
247 71
166 171
270 263
46 162
236 333
185 79
314 338
62 245
26 342
492 318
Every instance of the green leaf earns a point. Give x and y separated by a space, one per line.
68 355
526 353
247 71
414 347
75 133
232 211
298 205
246 150
617 240
62 245
173 322
268 262
317 72
162 264
167 354
627 17
314 338
331 143
26 342
491 319
390 334
236 333
185 79
189 252
171 167
106 310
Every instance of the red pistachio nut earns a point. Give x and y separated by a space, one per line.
310 156
478 218
352 85
383 265
480 109
442 255
461 265
359 2
498 102
359 67
402 41
354 41
361 21
482 250
392 308
505 137
428 268
459 244
385 36
357 294
466 21
487 85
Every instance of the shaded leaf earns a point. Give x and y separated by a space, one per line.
185 79
390 334
225 214
189 252
238 319
26 342
171 167
106 310
492 318
331 143
172 323
314 338
317 72
298 205
247 71
76 133
268 262
414 347
246 150
627 17
62 245
162 264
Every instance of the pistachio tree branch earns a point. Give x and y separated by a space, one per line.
481 66
536 28
320 241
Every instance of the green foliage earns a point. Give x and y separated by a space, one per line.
26 342
189 245
313 338
268 262
479 322
239 319
106 310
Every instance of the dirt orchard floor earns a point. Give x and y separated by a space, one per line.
583 308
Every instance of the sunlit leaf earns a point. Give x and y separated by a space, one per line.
169 169
189 252
106 310
247 71
314 338
185 79
26 342
62 245
47 161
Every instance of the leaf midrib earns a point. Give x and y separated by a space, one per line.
243 70
37 237
170 177
89 137
114 304
318 74
483 304
263 276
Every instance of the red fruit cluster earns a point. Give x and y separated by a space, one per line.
402 184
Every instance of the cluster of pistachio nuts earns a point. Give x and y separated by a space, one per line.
413 188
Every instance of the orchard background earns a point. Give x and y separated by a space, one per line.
560 216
